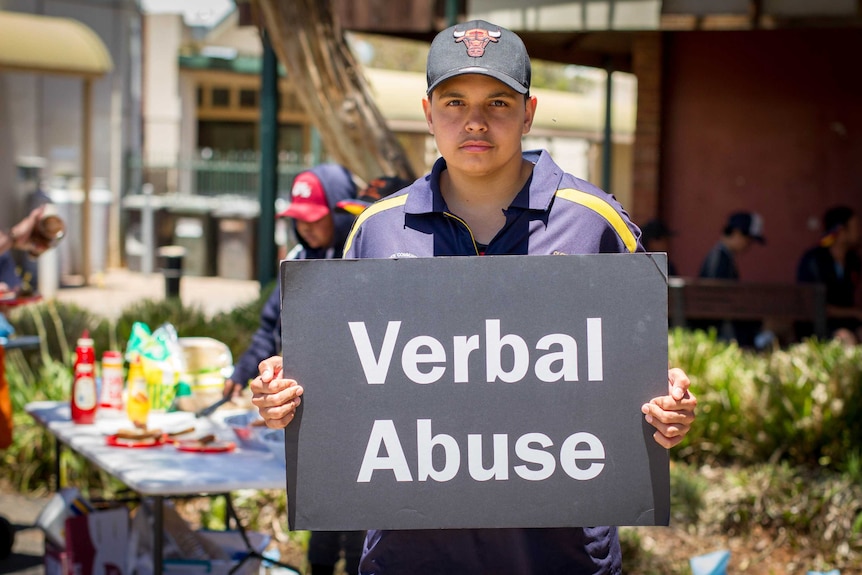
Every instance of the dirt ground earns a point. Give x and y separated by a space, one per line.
662 549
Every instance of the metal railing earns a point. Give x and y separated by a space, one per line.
209 173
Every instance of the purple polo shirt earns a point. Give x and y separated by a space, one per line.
555 213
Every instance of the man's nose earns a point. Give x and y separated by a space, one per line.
476 121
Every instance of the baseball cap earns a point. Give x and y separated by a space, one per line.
749 223
479 47
376 189
655 230
307 199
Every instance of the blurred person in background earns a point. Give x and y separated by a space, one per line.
834 262
741 231
23 236
655 236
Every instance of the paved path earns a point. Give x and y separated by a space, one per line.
113 291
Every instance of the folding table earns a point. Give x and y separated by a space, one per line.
164 471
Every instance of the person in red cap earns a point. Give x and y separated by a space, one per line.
323 207
321 230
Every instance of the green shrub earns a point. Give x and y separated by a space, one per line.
802 404
775 445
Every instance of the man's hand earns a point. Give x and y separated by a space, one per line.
232 389
672 414
276 398
22 232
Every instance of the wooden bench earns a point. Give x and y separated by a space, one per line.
778 305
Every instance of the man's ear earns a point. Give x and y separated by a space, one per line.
426 107
530 114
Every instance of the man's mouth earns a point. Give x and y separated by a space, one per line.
475 146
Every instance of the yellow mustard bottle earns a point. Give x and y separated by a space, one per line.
138 399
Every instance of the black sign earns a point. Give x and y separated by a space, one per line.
473 392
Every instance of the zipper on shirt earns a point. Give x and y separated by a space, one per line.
466 227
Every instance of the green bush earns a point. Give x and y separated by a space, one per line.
775 445
802 404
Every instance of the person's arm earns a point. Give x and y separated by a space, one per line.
19 236
673 414
844 312
264 343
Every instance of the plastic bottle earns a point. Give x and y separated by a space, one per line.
138 398
111 396
83 402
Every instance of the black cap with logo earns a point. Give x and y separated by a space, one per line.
479 47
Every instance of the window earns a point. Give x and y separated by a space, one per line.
247 98
221 98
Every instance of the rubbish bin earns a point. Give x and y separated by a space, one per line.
146 227
172 268
69 201
237 241
193 230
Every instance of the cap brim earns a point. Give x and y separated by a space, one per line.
303 212
508 80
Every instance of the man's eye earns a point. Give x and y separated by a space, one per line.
455 103
498 103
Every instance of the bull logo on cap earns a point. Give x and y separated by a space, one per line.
476 40
301 190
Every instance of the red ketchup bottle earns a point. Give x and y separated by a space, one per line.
84 397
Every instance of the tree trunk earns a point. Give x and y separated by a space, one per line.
331 87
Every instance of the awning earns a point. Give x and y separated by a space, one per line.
45 44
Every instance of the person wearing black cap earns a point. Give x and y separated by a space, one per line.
486 196
740 232
835 263
654 238
742 229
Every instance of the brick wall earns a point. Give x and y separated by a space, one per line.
647 65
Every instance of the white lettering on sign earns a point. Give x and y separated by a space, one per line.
424 359
581 455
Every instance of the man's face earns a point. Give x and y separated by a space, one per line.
478 123
738 242
319 234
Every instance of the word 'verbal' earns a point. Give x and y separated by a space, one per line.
424 359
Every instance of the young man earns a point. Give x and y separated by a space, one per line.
835 263
486 196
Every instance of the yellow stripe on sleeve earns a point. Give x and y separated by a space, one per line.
376 208
604 209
